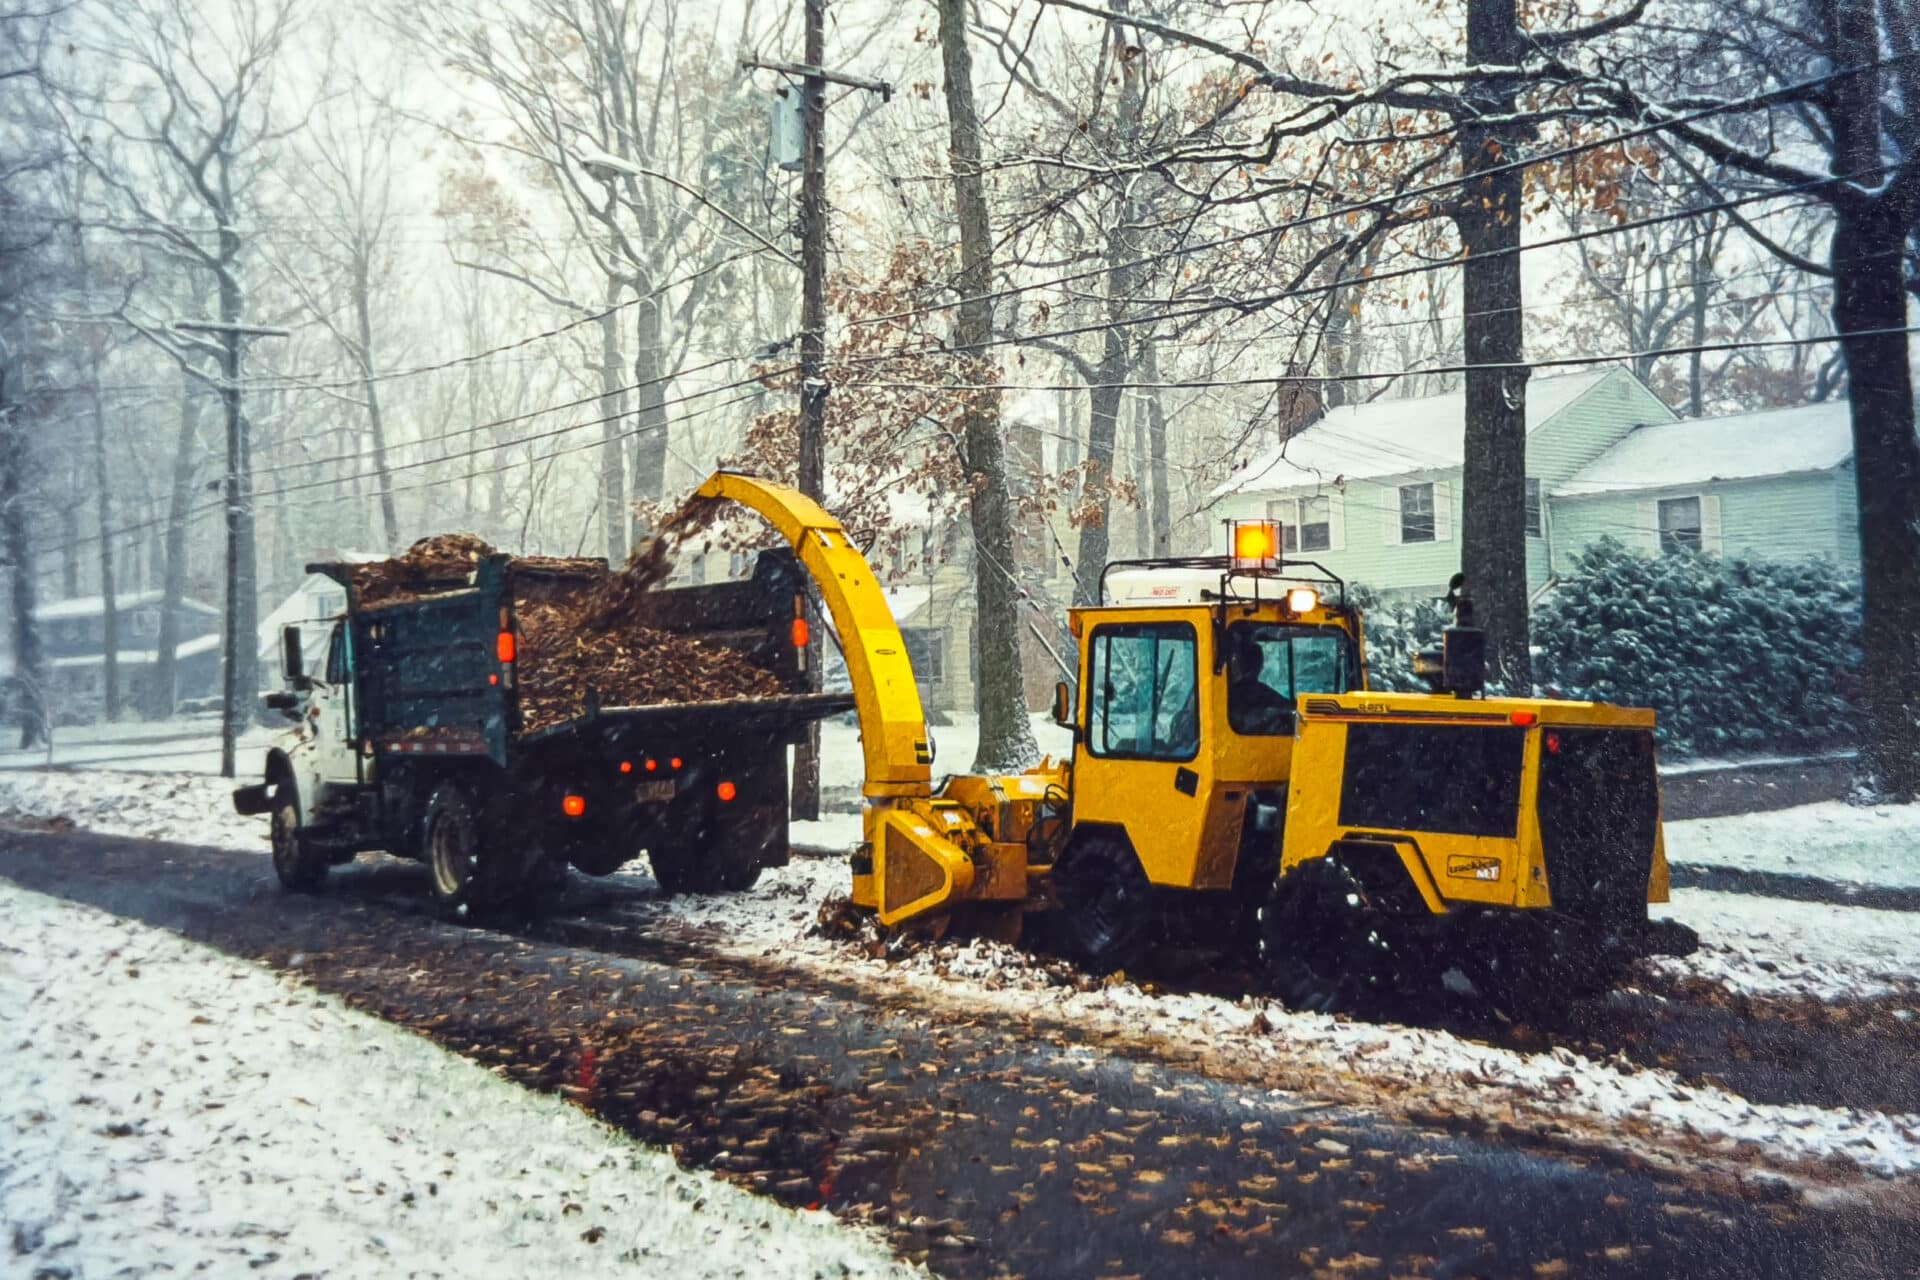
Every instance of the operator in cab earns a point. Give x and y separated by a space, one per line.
1253 705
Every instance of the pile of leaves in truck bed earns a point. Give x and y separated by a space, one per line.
582 627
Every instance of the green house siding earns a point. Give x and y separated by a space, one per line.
1795 517
1363 513
1584 429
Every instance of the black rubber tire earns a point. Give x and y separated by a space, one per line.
1322 941
1106 902
300 866
594 857
682 867
465 883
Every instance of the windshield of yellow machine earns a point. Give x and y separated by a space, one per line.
1269 664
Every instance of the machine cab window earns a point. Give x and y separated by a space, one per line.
1270 664
1145 692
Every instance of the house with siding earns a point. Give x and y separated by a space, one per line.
1372 491
1776 484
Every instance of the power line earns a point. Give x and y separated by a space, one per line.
1381 202
1261 302
305 382
1282 379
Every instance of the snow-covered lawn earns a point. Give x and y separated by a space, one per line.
1774 946
190 745
167 1109
1756 944
1833 840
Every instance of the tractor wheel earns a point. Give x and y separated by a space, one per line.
465 875
301 867
1322 943
1106 902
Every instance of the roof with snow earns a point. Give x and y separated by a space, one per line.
94 606
1741 446
1393 437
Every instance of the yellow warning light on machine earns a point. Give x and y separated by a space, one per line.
1256 544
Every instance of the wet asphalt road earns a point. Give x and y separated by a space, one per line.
985 1152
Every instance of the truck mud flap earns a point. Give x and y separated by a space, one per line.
253 800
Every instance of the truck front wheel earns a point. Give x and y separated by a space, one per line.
300 866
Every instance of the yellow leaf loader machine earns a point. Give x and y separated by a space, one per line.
1232 771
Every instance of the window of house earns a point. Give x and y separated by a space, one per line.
144 623
1536 519
926 652
1306 524
1145 701
739 566
1679 525
1416 512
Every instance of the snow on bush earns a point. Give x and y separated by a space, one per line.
1397 627
1734 654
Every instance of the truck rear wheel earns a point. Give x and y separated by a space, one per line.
465 880
300 866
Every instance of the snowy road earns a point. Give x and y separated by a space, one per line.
987 1143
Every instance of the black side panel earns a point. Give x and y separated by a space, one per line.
1599 806
1455 779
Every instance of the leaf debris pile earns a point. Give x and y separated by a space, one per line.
583 629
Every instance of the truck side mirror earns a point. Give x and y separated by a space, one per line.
1063 705
293 658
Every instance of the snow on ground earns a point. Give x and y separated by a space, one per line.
1763 945
187 808
1312 1052
187 745
167 1109
1773 946
1833 840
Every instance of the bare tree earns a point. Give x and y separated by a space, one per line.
1858 109
181 155
1006 739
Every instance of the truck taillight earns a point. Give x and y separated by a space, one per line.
801 633
573 805
503 646
726 791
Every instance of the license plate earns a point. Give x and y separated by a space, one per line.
657 792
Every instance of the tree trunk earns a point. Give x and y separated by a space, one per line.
70 548
109 614
613 409
1142 531
1869 232
16 545
376 425
243 583
1103 419
651 426
1006 737
1493 541
163 693
1159 502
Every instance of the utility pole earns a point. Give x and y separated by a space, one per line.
236 704
812 477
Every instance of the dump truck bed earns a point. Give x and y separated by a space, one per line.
445 670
